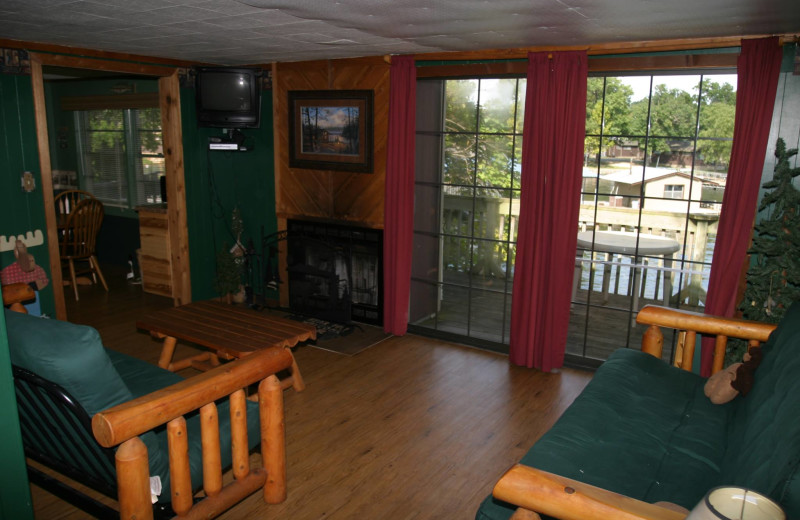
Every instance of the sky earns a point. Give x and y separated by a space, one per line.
335 117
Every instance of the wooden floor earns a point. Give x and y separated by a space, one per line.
412 428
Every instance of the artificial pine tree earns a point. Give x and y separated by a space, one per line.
773 280
229 261
229 274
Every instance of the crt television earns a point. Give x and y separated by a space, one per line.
228 97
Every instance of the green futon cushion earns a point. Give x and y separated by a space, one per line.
764 434
665 442
69 355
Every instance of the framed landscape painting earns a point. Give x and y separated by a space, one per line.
331 130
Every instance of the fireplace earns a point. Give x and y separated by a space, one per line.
335 271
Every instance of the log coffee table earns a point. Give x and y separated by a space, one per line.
229 331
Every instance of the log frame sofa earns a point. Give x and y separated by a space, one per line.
150 420
621 462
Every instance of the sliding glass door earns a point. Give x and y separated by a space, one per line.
469 145
656 158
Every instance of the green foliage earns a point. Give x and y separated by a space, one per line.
774 274
229 272
491 159
612 115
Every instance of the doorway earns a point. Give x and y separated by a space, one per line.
169 104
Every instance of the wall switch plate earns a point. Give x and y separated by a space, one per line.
28 182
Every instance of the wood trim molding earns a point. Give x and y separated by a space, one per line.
81 62
46 177
93 54
169 89
111 101
605 48
611 64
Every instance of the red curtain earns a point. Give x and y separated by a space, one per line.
399 195
552 155
758 70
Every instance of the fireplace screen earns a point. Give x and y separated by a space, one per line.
335 272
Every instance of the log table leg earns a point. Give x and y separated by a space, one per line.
296 379
167 350
203 362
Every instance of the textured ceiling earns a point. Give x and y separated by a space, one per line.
234 32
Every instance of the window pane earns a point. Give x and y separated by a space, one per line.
497 105
149 162
673 110
495 160
521 86
459 159
615 108
460 105
103 162
517 169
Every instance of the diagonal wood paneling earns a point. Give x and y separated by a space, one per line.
323 194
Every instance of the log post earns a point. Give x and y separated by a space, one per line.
273 441
239 451
133 481
719 353
653 341
687 359
212 465
180 474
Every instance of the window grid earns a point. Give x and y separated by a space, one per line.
120 155
468 230
692 194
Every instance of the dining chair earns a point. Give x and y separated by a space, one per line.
66 201
79 238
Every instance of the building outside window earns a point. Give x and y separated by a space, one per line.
120 155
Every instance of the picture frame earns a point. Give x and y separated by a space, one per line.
331 130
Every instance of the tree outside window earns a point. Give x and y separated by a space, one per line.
121 155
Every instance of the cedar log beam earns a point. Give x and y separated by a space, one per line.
568 499
127 420
692 323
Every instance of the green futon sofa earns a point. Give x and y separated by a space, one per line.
86 411
646 430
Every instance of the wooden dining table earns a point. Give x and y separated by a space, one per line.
227 331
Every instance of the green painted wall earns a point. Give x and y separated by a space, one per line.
15 494
21 212
218 181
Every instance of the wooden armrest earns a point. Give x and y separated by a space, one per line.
127 420
692 323
568 499
121 425
16 293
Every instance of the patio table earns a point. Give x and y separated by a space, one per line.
628 244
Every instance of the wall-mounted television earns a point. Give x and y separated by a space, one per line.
228 97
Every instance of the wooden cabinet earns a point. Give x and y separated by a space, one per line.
155 260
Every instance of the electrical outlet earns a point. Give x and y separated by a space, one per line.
28 182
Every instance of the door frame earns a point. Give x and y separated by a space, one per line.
172 135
